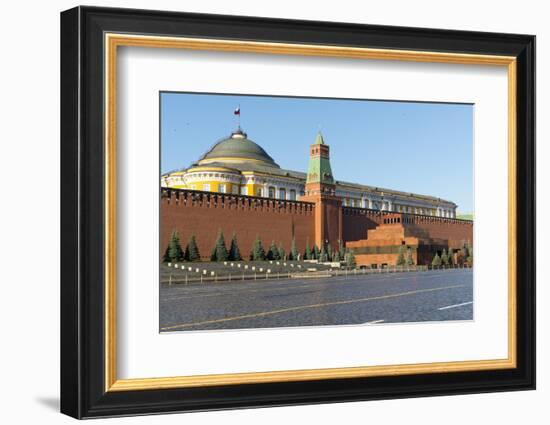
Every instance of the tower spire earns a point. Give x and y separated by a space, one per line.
319 169
321 190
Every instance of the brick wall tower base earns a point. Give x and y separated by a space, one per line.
328 218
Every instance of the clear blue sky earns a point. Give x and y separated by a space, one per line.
425 148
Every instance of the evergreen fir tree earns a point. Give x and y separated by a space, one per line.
273 252
330 254
174 248
444 258
341 250
213 256
436 260
192 250
258 252
451 257
234 253
307 252
401 256
323 254
470 257
293 250
464 254
166 256
410 259
350 259
221 250
282 252
315 252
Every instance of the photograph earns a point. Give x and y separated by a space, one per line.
281 212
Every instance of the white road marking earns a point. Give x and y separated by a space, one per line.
374 322
455 305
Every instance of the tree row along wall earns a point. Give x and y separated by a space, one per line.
203 214
357 221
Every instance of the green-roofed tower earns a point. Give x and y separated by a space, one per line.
319 170
320 189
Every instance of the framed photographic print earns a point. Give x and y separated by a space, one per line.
261 212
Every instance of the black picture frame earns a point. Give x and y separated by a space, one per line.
83 392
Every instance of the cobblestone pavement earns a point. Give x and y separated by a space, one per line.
386 298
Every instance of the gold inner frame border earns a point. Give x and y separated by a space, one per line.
113 40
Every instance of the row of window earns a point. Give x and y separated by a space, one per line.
281 193
272 192
399 208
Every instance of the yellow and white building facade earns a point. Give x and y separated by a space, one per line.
238 165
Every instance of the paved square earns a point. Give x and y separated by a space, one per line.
376 299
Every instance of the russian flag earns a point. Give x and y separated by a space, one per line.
237 111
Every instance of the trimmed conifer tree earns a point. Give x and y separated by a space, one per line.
444 258
175 253
451 257
410 259
282 253
192 250
293 255
213 256
166 256
234 253
221 250
341 249
273 252
350 259
400 256
258 252
436 260
464 254
323 254
330 254
307 252
315 252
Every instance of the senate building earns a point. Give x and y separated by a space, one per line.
237 187
238 165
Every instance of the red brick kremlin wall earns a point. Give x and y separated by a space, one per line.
204 214
357 221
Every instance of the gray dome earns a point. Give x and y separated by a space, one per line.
238 147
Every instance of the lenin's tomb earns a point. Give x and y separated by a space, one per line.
236 187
